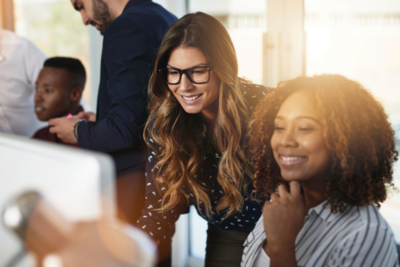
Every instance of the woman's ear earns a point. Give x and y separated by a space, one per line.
76 94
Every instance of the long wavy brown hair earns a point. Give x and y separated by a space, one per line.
356 132
178 137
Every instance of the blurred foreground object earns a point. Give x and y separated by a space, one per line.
104 244
78 185
62 244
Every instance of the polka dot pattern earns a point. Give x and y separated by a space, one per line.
161 226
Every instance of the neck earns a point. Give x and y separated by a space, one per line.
314 193
74 109
210 120
116 7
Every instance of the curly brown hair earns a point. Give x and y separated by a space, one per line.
356 131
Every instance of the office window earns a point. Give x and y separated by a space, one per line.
56 28
246 21
360 40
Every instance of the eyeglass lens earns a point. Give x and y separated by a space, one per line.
196 75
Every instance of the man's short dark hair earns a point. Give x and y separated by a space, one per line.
72 65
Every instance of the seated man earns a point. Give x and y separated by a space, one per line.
58 93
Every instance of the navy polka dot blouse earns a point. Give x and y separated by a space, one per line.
161 226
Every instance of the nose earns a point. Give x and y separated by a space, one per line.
38 96
288 138
185 83
85 18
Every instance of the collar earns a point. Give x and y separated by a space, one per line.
323 211
80 109
134 2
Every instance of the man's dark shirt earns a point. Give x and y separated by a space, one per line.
45 135
129 49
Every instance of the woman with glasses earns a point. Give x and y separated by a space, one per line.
199 110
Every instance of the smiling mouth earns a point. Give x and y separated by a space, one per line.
191 98
292 159
38 109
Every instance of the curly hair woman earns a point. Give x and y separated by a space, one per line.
199 111
323 151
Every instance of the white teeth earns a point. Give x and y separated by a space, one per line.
38 108
291 158
192 97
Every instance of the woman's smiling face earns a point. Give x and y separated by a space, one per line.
297 142
194 98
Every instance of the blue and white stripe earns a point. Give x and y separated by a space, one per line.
359 236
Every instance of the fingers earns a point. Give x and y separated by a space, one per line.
91 116
53 130
265 207
80 115
295 190
52 122
283 191
283 195
275 197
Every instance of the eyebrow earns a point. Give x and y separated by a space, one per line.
198 65
44 85
300 118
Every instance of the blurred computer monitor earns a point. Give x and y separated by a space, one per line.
77 183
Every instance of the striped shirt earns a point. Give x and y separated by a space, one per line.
359 236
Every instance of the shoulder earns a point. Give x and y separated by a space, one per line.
123 24
42 133
373 226
144 9
361 219
11 39
366 237
147 17
253 93
371 217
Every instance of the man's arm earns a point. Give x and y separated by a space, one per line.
127 54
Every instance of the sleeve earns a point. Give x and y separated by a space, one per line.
367 247
159 225
127 56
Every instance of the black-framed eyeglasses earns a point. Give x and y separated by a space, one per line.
197 75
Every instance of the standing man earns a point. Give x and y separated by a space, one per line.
132 33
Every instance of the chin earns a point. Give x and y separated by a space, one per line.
42 119
191 110
45 120
289 177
